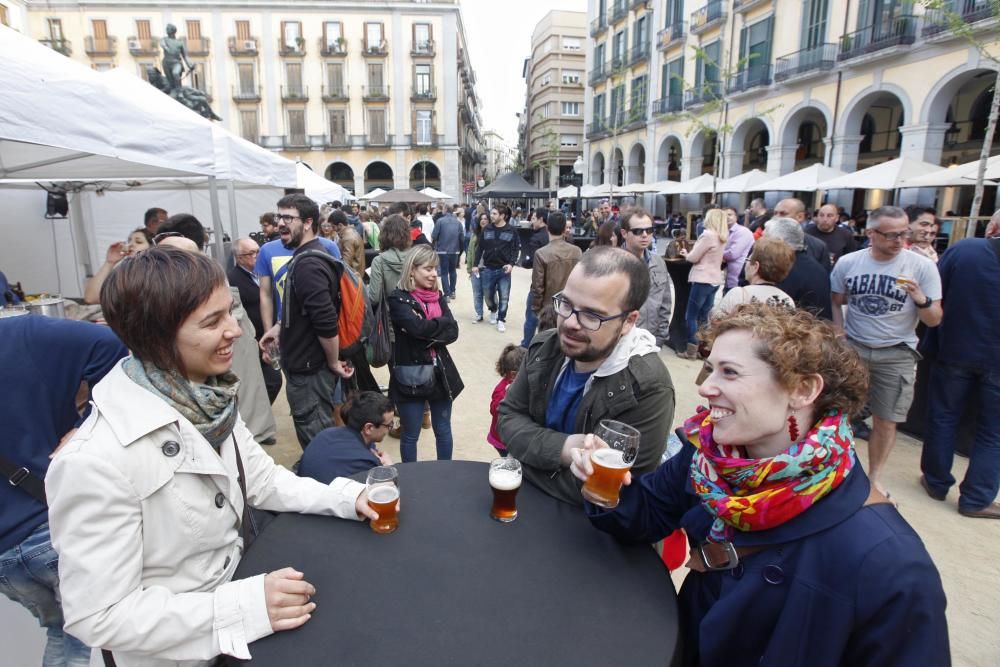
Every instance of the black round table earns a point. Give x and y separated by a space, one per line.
453 587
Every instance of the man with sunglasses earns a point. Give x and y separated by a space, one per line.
654 315
595 365
887 289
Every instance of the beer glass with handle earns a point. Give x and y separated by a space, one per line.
610 462
383 497
505 480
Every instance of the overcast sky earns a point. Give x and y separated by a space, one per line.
499 37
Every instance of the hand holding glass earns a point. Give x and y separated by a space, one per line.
505 480
611 462
383 497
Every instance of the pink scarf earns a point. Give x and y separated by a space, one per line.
429 300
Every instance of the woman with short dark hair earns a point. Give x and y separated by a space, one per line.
149 504
394 241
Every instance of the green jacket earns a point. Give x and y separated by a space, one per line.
470 252
632 386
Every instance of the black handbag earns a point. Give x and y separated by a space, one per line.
415 381
379 345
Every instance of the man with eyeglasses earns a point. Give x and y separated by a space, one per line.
242 277
887 289
654 315
595 365
343 451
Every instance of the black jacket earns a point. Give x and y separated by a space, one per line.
416 336
538 238
310 310
498 246
249 296
808 283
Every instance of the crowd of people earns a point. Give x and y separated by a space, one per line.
139 467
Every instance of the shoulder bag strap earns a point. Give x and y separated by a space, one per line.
248 529
23 479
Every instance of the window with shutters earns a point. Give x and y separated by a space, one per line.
755 51
572 43
376 82
248 125
338 126
248 79
422 80
100 30
293 79
291 36
425 126
640 35
243 32
142 29
374 40
197 78
599 104
55 30
599 56
572 76
332 32
297 127
674 13
814 17
376 126
335 79
570 108
637 101
569 140
707 72
618 48
672 84
193 29
4 18
422 40
617 105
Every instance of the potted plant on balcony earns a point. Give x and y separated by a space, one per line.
341 44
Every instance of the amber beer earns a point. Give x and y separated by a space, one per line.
602 488
383 499
505 480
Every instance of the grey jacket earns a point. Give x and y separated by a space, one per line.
654 316
448 236
385 271
632 386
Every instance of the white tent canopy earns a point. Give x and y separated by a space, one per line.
803 180
435 194
886 176
373 194
61 121
318 188
697 185
746 182
958 175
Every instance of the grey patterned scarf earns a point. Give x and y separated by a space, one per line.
210 407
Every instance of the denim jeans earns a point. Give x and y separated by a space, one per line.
477 294
700 302
448 271
411 416
530 323
496 283
951 386
29 575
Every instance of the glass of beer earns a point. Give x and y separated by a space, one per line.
611 462
383 497
505 480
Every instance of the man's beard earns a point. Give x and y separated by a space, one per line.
294 240
591 353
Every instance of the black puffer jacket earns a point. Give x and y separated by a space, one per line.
416 336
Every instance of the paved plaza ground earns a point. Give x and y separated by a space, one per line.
966 551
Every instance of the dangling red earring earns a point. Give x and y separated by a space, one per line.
793 428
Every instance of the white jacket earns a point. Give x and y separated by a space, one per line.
145 517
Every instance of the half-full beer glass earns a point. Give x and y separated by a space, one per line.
505 480
383 497
611 463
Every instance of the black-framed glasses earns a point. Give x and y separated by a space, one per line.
164 235
641 231
588 319
891 236
285 218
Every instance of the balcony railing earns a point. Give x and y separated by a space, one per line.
296 141
337 141
638 4
243 47
333 47
100 47
752 76
375 50
334 93
241 94
672 103
710 91
599 26
423 93
377 139
426 141
374 93
292 47
819 58
597 129
423 48
671 35
708 17
898 31
61 45
197 46
147 46
970 11
618 61
295 93
619 11
639 53
635 116
598 74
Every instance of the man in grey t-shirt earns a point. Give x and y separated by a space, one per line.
886 289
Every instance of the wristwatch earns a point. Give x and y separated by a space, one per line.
925 304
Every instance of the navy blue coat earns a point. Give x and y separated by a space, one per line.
336 452
844 585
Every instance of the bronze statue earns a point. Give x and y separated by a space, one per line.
170 81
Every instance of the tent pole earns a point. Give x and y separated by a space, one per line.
234 232
220 248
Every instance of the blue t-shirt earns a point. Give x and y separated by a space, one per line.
272 262
565 401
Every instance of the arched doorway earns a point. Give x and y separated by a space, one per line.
636 171
597 169
967 117
341 174
755 149
709 147
378 175
425 174
668 160
805 129
880 120
618 168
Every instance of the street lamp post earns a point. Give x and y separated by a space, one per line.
578 181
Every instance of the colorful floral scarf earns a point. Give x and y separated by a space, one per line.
210 407
758 494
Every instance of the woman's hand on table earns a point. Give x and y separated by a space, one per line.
287 596
363 509
580 464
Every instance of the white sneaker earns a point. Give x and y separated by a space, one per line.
501 327
493 318
477 319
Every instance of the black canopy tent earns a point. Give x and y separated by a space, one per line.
512 186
